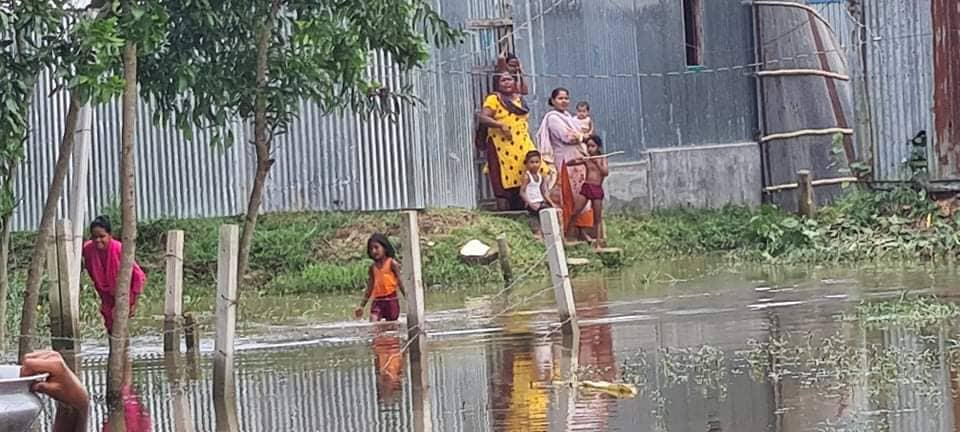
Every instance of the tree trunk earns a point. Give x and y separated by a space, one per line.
261 141
31 298
128 204
4 276
253 209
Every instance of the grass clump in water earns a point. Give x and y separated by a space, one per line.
914 312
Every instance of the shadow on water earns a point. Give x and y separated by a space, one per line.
750 349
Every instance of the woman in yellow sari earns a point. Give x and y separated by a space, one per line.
503 134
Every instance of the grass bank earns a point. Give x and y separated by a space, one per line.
311 253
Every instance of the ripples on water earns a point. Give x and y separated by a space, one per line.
740 351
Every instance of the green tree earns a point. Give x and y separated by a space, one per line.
257 60
31 32
98 62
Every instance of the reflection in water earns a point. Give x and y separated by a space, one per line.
134 416
388 365
225 408
597 360
420 391
754 354
517 404
177 381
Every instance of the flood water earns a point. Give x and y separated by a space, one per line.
708 347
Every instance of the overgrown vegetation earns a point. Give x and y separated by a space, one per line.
313 253
905 311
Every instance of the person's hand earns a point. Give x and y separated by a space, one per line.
358 313
505 128
61 384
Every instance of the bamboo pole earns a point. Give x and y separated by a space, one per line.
815 183
803 72
806 132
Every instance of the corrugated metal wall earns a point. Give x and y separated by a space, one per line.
421 157
946 29
627 58
899 77
302 396
624 56
899 53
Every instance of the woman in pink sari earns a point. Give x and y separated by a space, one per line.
560 141
101 257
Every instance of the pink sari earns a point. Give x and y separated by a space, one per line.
135 415
565 181
104 269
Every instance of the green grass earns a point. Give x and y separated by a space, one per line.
315 253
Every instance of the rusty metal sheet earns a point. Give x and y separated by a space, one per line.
946 88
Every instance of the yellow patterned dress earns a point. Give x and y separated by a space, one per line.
505 152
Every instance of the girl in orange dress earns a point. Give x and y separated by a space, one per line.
384 281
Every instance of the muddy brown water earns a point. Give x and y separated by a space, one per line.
709 347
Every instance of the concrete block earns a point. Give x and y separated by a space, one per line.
628 186
705 176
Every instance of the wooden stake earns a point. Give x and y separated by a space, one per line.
64 306
413 279
78 191
503 251
190 334
223 377
806 204
173 304
562 288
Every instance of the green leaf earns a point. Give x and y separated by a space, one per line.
790 223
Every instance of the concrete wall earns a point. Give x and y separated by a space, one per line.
701 176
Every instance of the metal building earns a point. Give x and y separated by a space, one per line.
675 85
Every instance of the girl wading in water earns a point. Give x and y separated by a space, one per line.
384 281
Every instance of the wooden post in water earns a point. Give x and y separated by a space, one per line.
177 385
420 393
413 279
190 334
191 337
560 274
64 306
223 378
173 304
806 204
503 251
567 395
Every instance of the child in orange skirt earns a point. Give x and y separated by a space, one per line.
383 282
